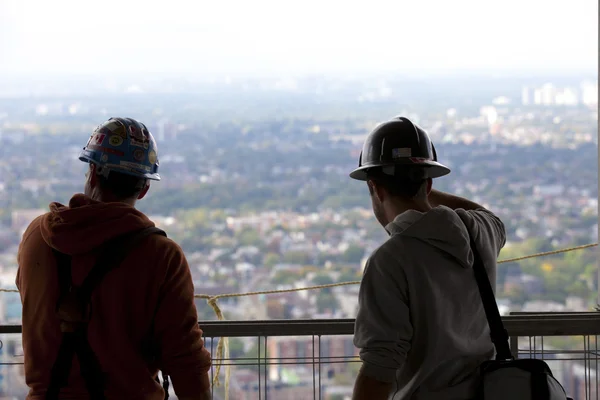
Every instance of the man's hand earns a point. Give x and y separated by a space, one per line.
367 388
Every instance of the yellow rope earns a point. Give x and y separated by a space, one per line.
549 253
330 285
223 344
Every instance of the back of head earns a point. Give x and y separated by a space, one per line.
124 155
119 185
399 155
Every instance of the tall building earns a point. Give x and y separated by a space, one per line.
526 96
569 97
537 97
589 93
548 93
160 130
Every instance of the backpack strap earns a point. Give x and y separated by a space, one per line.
498 333
62 365
74 312
63 264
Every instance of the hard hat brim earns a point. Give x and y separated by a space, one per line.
433 170
137 174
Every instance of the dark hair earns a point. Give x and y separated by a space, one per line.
122 186
402 185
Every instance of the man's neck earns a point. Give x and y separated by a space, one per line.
103 198
401 206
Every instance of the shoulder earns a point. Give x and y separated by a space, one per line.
32 247
482 219
34 228
164 244
32 237
390 257
395 249
488 229
480 215
164 250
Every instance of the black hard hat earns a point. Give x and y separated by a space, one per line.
402 146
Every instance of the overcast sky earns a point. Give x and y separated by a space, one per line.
245 36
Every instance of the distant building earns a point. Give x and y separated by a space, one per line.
589 93
526 96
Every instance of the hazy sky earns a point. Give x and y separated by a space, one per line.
295 36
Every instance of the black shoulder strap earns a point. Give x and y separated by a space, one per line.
62 364
63 264
498 333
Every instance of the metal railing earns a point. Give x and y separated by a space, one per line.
315 359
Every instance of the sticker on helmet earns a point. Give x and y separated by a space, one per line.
98 138
138 154
139 143
119 129
128 164
115 140
401 152
152 157
104 157
136 133
107 150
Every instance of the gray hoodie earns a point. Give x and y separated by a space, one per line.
420 321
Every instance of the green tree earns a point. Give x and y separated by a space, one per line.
285 277
249 237
271 259
353 254
349 275
297 257
326 300
322 279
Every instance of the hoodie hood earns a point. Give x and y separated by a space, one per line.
440 227
85 224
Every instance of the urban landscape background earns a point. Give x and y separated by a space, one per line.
260 110
255 182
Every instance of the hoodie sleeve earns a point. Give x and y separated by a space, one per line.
487 226
383 330
183 355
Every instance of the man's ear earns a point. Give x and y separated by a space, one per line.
144 191
377 190
370 186
429 185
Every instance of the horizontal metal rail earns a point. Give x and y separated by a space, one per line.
540 324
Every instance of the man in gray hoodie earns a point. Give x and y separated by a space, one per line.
421 327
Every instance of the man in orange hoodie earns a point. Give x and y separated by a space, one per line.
143 316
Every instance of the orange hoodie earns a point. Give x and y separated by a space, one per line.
153 285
